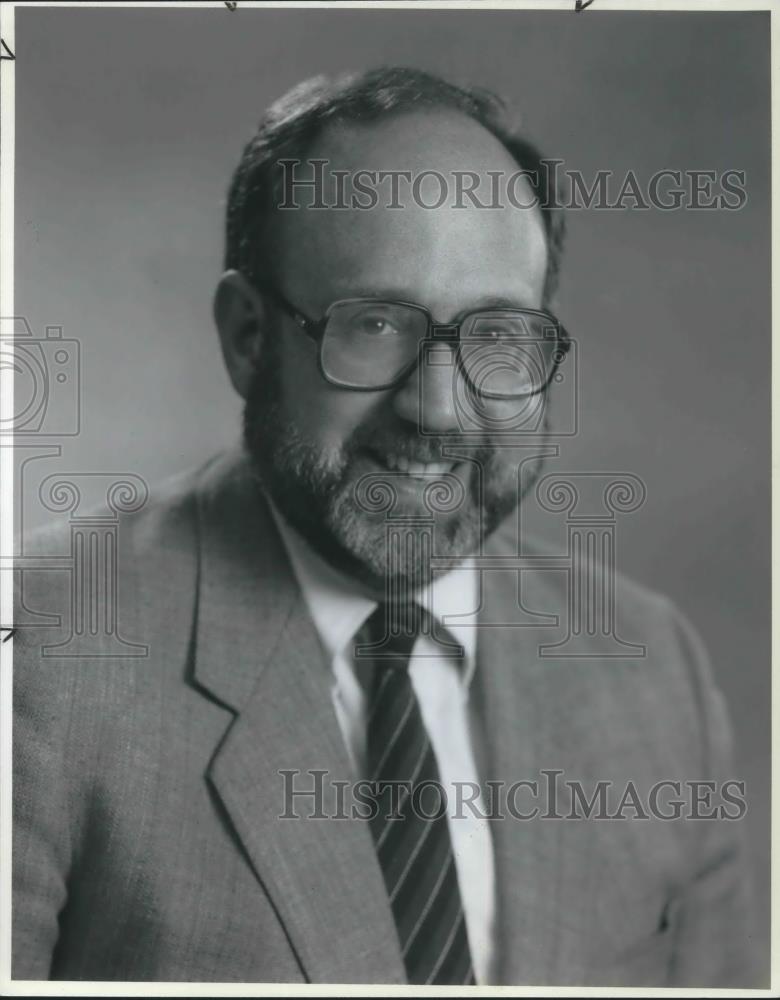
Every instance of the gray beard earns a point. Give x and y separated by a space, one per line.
348 519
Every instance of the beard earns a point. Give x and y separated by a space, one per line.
363 518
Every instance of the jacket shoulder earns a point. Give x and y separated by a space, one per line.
89 591
167 505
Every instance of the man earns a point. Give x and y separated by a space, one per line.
340 613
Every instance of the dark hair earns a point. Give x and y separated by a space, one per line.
291 125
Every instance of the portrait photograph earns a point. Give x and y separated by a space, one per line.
386 550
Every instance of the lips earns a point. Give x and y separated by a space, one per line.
411 467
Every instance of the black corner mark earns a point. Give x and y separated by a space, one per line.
7 631
5 52
581 5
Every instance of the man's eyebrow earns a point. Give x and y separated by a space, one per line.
497 302
486 302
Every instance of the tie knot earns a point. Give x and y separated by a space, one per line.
390 633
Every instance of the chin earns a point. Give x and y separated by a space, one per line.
408 551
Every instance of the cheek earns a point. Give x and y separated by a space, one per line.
506 423
324 414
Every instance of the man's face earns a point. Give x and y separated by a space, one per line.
330 456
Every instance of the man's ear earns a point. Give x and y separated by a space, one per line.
241 321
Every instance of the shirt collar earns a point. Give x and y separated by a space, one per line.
339 608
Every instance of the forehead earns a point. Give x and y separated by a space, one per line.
443 255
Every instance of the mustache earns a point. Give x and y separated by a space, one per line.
420 448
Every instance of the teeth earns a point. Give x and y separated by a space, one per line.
401 463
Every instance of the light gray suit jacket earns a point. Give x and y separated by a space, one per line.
147 793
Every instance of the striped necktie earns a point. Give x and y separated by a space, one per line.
410 828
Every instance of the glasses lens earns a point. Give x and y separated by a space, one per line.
369 343
510 354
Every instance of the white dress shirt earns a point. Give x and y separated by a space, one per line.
441 684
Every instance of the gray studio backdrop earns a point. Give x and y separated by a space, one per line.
129 123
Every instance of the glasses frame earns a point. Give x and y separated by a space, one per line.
436 333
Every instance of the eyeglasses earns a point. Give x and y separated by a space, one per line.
367 344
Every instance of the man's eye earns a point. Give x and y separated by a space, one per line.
499 331
374 326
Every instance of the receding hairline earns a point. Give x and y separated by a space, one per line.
293 125
391 120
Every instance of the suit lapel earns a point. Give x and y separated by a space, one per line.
258 653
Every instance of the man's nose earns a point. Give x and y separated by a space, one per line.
427 398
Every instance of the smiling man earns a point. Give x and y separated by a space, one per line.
379 278
339 760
